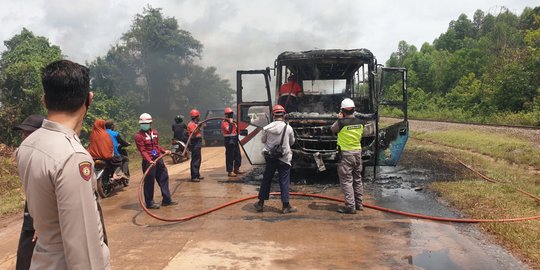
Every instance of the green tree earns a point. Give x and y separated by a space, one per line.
20 79
206 90
477 70
467 94
516 89
153 69
162 53
118 109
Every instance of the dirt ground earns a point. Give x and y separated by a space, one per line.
316 237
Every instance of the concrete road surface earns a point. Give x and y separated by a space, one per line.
316 237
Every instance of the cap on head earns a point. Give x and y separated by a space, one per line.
278 110
228 110
145 118
347 104
31 123
194 113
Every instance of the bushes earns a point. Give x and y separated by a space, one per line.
11 198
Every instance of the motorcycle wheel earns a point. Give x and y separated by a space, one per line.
104 188
175 159
125 182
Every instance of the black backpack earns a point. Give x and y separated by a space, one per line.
276 152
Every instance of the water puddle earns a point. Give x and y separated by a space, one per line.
439 260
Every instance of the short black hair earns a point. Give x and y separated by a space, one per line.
66 85
109 124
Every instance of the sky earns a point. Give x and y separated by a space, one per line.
246 34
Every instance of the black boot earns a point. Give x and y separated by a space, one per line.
259 206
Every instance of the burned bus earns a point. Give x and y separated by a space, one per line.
326 77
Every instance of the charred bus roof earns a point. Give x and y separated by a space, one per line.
326 64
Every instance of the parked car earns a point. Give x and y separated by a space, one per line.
212 131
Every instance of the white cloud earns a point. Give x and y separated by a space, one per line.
241 34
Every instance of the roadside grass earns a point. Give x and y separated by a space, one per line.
478 198
11 197
499 146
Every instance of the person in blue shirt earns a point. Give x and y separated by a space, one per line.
120 155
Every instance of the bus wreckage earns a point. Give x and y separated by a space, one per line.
326 78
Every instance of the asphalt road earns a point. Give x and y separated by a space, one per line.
316 237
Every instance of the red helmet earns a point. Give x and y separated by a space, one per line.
194 113
228 110
278 109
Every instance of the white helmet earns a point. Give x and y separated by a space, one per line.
145 118
347 103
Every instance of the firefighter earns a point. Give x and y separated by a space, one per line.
289 93
349 132
147 142
195 145
233 158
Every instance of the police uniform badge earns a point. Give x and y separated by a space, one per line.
85 169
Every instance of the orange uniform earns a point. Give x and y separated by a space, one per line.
191 127
229 129
291 87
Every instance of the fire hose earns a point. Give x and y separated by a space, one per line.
318 196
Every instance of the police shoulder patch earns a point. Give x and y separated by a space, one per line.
85 169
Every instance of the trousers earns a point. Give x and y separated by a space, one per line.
233 159
284 175
195 148
160 174
350 177
26 246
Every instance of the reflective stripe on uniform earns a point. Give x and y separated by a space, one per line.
350 135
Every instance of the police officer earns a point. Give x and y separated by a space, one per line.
233 158
57 175
195 145
349 132
147 142
28 233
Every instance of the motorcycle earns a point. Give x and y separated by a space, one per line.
109 177
177 148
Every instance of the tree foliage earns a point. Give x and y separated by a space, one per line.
478 70
153 67
20 80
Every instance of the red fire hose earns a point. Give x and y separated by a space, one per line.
408 214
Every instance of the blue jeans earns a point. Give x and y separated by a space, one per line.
284 174
161 175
